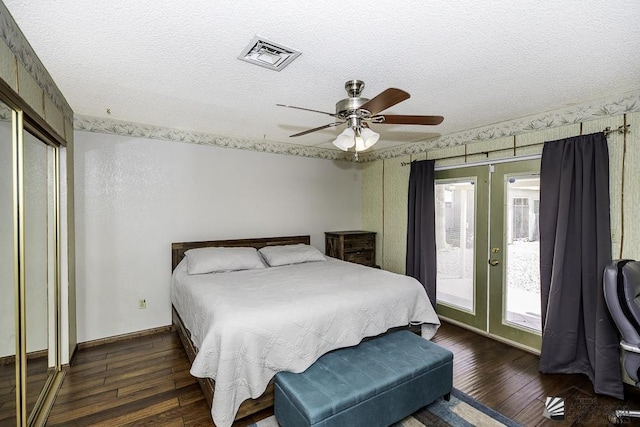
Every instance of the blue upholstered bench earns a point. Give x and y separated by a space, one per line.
376 383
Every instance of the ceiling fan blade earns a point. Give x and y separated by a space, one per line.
316 129
307 109
384 100
390 119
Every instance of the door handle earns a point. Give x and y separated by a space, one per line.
493 262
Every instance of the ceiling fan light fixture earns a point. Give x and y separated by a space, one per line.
346 139
369 138
359 144
361 138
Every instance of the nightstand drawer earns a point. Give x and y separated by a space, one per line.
361 257
360 243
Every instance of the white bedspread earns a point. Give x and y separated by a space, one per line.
249 325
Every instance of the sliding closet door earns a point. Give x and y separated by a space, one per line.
29 359
30 236
7 281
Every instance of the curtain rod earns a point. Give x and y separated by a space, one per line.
620 129
481 163
606 131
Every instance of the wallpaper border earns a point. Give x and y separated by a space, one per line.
613 106
628 102
124 128
13 37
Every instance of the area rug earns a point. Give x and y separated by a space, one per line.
461 411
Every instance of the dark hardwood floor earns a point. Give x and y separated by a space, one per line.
146 381
507 380
7 394
37 375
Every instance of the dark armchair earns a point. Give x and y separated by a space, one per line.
621 285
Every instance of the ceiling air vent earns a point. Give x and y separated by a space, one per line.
268 54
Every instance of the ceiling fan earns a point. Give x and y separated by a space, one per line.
359 112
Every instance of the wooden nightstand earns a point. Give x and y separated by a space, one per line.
352 246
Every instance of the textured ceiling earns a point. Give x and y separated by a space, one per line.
174 64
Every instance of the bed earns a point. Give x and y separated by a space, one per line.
242 327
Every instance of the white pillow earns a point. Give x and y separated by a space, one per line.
290 254
218 260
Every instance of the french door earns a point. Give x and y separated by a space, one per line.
487 242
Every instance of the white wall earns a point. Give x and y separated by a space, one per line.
135 196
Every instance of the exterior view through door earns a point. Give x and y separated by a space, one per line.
487 242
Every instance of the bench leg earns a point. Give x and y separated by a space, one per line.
447 397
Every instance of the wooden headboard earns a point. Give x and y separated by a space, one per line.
178 249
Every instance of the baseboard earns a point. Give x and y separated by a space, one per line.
124 337
6 360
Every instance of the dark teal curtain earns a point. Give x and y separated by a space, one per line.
578 334
421 228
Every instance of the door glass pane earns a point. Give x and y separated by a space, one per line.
455 234
522 295
7 297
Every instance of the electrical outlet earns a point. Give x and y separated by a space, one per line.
142 304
